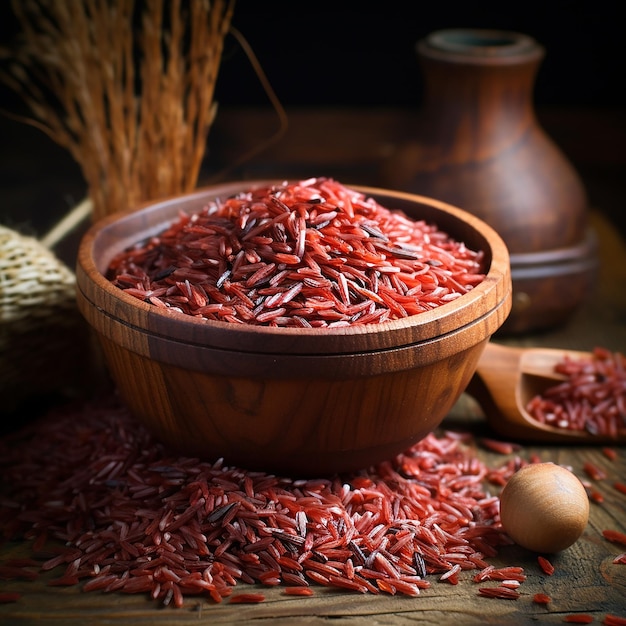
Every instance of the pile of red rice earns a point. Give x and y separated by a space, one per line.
308 254
134 519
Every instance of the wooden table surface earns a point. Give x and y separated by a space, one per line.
585 581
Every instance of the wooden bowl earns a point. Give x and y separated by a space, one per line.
291 401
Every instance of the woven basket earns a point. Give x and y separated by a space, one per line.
44 343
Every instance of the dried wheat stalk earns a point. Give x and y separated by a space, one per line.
127 89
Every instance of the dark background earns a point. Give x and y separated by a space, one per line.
327 53
359 54
363 54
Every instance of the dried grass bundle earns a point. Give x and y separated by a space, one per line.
127 89
43 339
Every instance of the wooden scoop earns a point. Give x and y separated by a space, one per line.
508 377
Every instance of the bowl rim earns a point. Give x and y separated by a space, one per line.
493 294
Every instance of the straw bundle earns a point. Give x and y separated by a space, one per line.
41 351
127 89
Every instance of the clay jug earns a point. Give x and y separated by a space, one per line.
477 144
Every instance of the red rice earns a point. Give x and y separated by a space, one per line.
499 592
542 598
614 536
298 591
105 506
308 254
593 494
593 471
246 598
500 447
134 520
591 399
609 453
545 565
501 573
578 618
621 487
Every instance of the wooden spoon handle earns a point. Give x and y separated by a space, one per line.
494 386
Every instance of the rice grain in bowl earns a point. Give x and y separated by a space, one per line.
305 399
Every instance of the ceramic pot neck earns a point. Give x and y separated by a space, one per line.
480 47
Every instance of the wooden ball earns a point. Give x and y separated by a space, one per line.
544 507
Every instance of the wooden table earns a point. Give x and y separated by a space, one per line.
585 580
